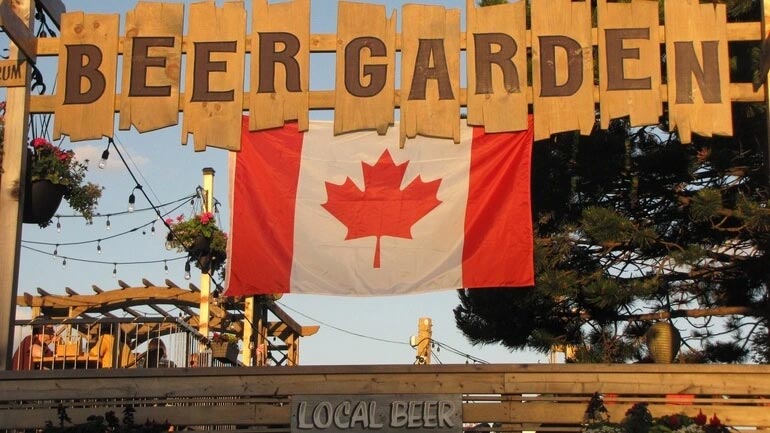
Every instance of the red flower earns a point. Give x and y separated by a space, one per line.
40 142
180 218
701 418
206 217
170 221
714 421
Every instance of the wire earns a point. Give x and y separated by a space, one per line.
112 214
459 352
104 262
136 166
104 238
340 329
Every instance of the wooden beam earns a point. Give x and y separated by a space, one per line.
54 9
20 33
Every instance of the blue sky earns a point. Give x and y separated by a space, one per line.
353 330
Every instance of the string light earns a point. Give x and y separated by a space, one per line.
131 201
58 225
56 251
187 275
114 270
105 155
132 198
169 241
165 266
99 246
108 222
152 228
64 263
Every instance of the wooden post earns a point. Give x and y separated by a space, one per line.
248 333
208 206
12 175
765 68
424 338
262 341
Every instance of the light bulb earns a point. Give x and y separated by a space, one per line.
169 241
187 271
131 202
58 225
56 250
152 228
105 156
64 263
99 246
114 270
165 266
108 222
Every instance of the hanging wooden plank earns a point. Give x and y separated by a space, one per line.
280 60
214 77
629 42
698 69
497 66
562 64
152 55
88 62
430 72
13 73
366 68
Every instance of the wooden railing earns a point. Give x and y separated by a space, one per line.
520 397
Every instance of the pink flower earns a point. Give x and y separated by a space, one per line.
169 221
39 142
206 217
180 218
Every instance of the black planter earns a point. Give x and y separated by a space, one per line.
42 199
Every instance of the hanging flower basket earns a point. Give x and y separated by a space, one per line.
54 174
663 342
42 199
225 352
201 238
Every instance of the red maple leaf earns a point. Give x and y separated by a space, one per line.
382 208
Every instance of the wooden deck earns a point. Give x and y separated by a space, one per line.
545 398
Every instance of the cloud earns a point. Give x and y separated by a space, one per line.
94 154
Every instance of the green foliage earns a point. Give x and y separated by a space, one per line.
107 423
201 237
61 168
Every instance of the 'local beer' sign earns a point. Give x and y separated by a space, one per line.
217 86
436 413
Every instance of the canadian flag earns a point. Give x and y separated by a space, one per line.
356 215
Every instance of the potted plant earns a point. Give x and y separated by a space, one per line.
54 174
201 238
638 419
224 347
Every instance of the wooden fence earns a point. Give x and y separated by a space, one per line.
515 397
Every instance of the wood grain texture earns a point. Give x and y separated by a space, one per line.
215 123
153 20
94 119
698 107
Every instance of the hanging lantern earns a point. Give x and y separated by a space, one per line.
663 342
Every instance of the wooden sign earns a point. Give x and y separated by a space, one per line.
562 64
698 69
381 413
13 73
366 51
430 72
214 82
628 43
497 66
563 88
88 63
152 67
280 73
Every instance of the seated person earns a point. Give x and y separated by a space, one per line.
155 357
104 348
33 346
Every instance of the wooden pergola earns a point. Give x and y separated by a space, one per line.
254 320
